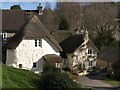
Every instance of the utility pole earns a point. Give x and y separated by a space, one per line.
118 20
118 16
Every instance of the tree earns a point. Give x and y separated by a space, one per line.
48 5
15 7
48 19
105 39
72 12
99 17
118 16
63 23
116 71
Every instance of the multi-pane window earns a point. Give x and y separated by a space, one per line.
34 64
90 63
89 51
38 42
35 42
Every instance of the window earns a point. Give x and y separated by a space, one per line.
38 42
90 63
89 51
20 65
35 42
34 64
4 36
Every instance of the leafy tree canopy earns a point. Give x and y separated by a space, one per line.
105 39
15 7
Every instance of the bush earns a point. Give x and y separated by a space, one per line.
116 71
52 78
105 39
50 67
67 69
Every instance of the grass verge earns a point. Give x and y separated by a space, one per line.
17 78
110 81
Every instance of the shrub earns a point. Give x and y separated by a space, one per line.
67 69
116 71
52 78
50 67
57 80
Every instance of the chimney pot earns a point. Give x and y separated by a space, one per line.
40 12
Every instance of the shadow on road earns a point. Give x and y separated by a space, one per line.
97 76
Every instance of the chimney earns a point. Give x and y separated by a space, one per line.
86 36
40 12
52 33
28 16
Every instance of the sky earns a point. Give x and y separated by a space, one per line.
32 5
25 5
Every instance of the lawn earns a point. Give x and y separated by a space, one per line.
20 79
17 78
111 81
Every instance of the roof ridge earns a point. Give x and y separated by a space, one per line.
32 29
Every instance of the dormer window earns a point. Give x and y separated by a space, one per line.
89 51
38 42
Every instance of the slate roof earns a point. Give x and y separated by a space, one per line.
70 44
53 58
31 30
111 54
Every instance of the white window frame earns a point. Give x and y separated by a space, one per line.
35 42
90 63
89 51
4 35
38 42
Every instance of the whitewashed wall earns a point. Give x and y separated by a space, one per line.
80 55
70 61
11 58
27 54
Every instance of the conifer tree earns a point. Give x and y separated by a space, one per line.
63 23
